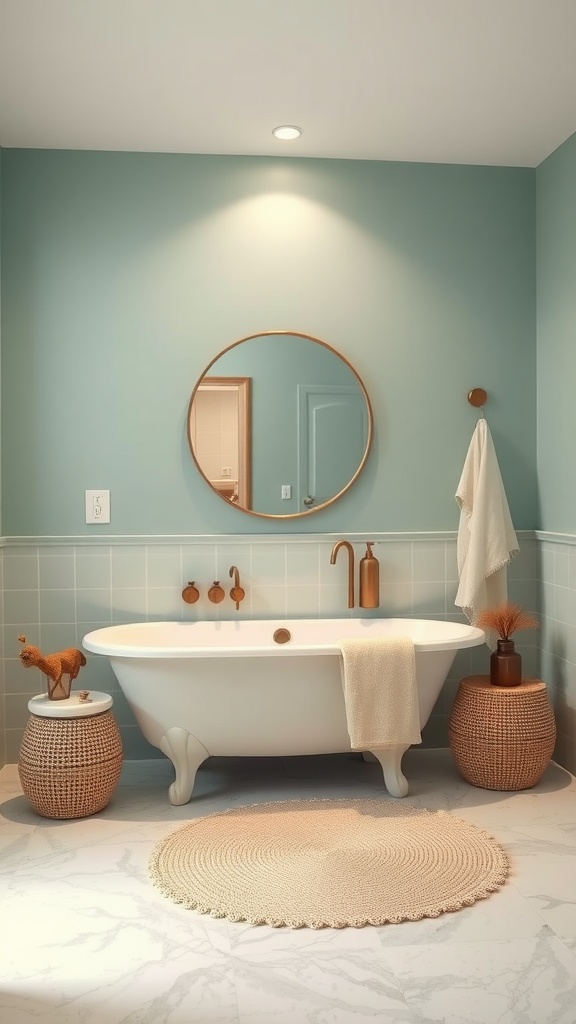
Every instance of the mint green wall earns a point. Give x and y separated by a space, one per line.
556 255
123 274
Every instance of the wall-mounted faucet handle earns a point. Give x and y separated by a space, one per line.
237 593
191 593
216 594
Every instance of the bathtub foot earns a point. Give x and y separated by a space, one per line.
186 754
390 759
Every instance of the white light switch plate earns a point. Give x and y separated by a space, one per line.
97 506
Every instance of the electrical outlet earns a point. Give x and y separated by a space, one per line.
97 506
286 491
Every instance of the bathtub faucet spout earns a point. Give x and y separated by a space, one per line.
237 593
346 544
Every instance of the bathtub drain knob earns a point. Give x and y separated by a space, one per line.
281 636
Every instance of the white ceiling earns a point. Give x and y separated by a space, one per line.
454 81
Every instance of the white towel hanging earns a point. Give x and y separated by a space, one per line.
486 538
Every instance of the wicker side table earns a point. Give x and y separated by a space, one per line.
70 756
501 737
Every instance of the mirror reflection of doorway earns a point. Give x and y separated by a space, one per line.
219 430
326 412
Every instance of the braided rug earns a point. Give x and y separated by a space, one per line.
328 864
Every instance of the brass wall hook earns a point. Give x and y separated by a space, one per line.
478 398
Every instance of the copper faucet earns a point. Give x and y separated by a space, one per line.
237 593
346 544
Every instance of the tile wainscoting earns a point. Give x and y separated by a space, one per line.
558 636
55 590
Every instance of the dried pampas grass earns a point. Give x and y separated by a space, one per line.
506 619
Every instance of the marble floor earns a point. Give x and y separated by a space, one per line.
86 939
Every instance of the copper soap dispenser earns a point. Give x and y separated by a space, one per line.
369 579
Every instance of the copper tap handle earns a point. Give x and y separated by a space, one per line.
237 594
216 594
190 594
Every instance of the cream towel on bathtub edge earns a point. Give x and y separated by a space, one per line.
379 682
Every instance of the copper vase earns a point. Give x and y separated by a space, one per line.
505 665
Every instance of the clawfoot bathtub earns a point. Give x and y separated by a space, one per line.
228 688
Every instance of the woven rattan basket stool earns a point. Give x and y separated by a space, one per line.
501 737
70 756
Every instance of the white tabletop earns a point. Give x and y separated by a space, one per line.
71 707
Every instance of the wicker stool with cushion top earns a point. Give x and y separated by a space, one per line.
70 756
501 737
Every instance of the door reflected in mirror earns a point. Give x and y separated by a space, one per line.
280 424
219 433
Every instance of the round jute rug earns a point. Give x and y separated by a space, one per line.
328 863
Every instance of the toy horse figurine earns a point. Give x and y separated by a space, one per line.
54 666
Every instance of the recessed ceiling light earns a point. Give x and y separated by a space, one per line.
287 131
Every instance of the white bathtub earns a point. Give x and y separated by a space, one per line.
227 688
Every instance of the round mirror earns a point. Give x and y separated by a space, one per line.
279 424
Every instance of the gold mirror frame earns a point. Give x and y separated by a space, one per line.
247 434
